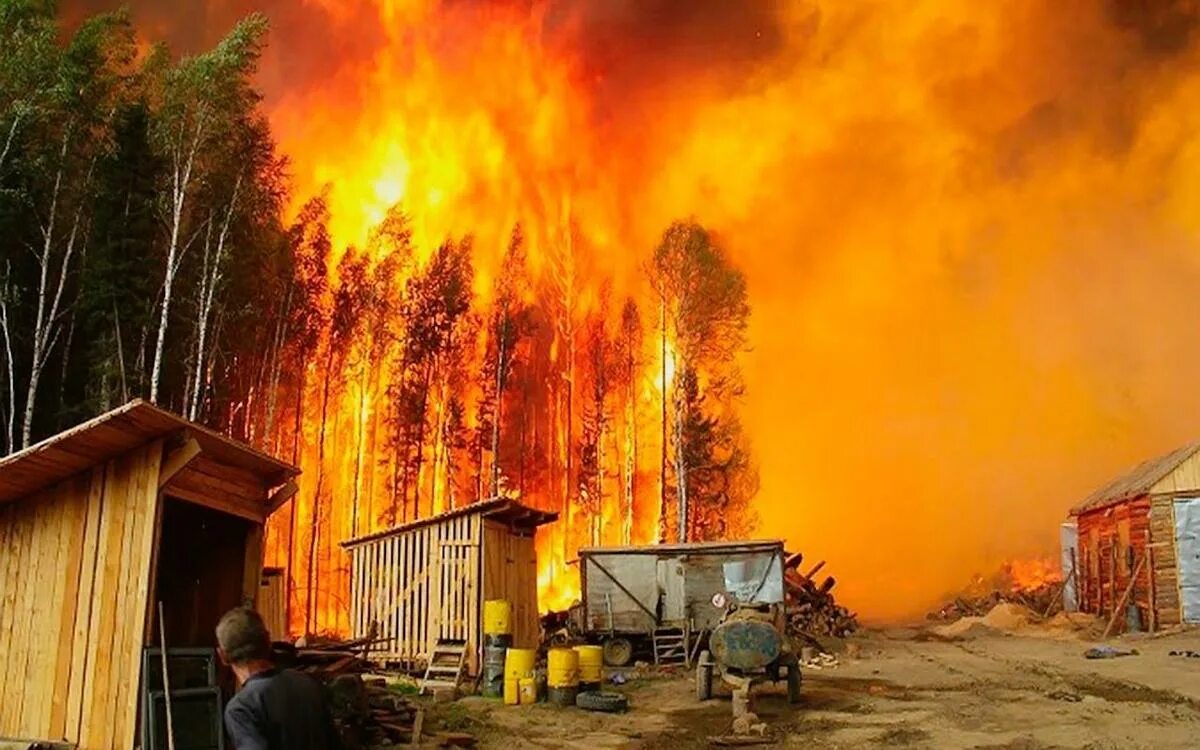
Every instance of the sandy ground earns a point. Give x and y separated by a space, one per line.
1029 690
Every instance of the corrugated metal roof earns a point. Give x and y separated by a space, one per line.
1137 482
115 433
500 509
699 548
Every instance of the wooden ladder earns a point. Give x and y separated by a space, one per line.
445 668
671 646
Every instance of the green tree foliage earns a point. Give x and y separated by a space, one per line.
140 196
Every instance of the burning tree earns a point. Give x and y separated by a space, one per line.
510 322
704 317
434 315
595 421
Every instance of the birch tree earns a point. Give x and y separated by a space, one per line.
28 56
200 101
244 187
76 129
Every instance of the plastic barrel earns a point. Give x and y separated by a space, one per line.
497 617
493 671
527 689
519 663
512 691
591 667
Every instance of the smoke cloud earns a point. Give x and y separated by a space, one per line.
969 229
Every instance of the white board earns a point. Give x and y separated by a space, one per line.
1068 536
1187 548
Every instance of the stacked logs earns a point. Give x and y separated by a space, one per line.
811 608
365 711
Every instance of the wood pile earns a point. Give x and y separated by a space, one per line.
366 712
811 607
1044 599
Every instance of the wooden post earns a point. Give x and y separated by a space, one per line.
162 647
1153 606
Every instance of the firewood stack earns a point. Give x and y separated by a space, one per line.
365 711
811 608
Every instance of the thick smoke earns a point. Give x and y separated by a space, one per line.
969 231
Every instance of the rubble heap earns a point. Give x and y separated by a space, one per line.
811 608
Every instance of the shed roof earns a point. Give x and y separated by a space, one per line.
1137 482
115 433
497 509
694 548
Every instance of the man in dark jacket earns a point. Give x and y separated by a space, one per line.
274 709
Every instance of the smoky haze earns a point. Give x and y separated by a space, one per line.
969 232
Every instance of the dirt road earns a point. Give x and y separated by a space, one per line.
991 691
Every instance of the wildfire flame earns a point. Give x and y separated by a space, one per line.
1033 574
968 230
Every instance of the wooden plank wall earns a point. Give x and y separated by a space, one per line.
73 588
272 605
1106 537
395 584
510 573
1166 569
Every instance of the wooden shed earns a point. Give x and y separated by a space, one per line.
1141 534
97 525
425 582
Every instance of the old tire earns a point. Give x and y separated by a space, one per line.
793 682
618 652
609 703
704 676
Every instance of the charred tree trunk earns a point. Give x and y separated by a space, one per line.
662 500
315 530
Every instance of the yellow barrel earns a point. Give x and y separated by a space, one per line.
512 694
591 664
497 617
562 668
527 688
519 663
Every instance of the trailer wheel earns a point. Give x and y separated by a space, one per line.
704 676
618 652
793 681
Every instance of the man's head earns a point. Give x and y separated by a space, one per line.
242 637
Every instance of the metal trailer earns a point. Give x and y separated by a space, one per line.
668 598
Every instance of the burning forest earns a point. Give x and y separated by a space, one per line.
672 270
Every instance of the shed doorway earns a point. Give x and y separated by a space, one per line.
1187 547
199 573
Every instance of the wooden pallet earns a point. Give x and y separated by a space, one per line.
445 668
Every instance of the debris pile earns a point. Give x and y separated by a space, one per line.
811 608
1041 595
366 712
